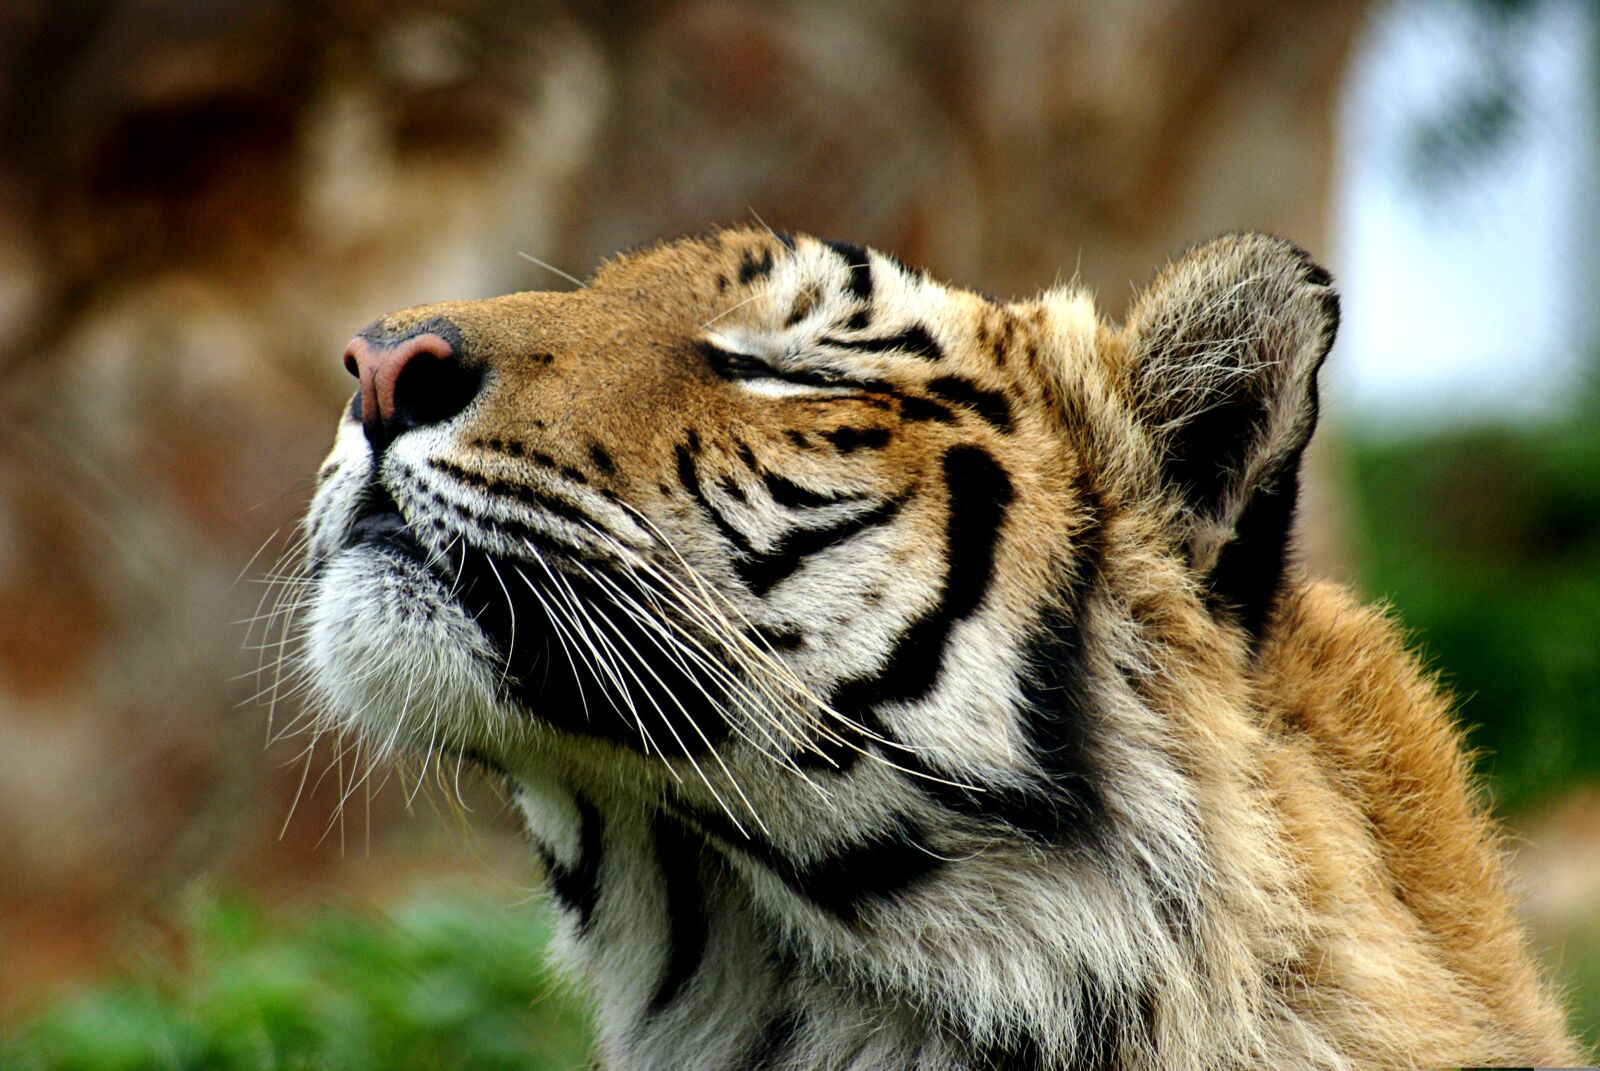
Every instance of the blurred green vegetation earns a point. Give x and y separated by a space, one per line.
1487 542
1577 972
440 982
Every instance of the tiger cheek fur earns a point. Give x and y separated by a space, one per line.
891 677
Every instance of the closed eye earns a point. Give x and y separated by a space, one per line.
733 365
730 364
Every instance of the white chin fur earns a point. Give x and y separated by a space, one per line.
393 657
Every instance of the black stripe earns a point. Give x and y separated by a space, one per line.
730 365
1109 1021
846 440
514 532
884 865
522 493
523 536
678 854
1067 804
860 265
990 405
690 479
1055 714
762 572
517 449
925 409
578 886
914 339
776 1039
750 268
512 605
787 493
979 494
1013 1054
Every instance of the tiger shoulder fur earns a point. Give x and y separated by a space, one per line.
892 677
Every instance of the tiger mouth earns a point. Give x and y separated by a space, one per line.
379 524
566 650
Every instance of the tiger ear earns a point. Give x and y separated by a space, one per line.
1219 364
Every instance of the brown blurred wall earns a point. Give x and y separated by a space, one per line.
200 202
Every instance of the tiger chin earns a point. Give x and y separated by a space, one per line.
893 677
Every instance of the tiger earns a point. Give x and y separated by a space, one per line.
892 676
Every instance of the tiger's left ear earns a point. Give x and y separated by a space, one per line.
1219 364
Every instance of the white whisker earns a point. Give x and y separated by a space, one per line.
547 266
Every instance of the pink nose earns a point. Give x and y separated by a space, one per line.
410 383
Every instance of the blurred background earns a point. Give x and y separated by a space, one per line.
201 202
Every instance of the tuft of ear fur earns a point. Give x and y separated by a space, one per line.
1219 365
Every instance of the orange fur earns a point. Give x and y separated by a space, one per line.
1349 892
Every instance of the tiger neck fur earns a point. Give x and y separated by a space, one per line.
713 946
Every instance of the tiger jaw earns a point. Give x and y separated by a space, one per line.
391 653
478 635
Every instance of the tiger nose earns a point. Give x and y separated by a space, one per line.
408 383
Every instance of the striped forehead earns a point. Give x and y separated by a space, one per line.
835 297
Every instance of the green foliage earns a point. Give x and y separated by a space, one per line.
1577 972
440 983
1488 543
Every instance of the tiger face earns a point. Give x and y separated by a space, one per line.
894 677
749 508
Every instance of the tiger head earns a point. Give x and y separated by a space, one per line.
890 676
749 509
